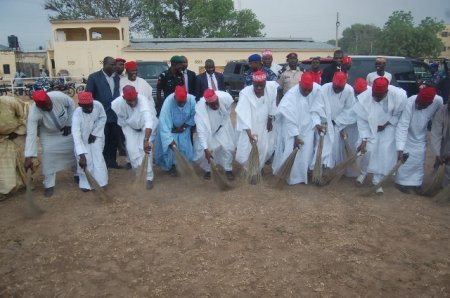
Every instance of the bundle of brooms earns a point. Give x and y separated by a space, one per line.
285 169
32 207
317 171
98 190
434 183
141 173
184 167
254 171
218 178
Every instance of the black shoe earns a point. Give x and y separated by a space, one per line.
418 190
207 176
149 184
230 175
48 192
128 166
115 166
173 171
402 188
85 190
77 179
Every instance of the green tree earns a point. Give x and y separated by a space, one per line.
359 39
198 18
400 37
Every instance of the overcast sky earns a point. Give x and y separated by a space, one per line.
28 20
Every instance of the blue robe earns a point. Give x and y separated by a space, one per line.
173 116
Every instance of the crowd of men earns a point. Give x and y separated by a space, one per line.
279 110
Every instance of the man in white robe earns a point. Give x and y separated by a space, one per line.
50 119
215 137
136 118
411 137
440 139
131 79
378 111
255 110
338 99
88 124
298 122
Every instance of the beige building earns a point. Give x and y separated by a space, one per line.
80 46
445 37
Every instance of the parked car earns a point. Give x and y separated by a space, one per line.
406 72
233 75
150 71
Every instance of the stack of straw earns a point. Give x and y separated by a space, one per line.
434 183
32 207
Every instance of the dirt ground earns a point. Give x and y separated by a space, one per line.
185 238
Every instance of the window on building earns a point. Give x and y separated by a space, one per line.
100 33
444 34
6 69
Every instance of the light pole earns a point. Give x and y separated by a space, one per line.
337 29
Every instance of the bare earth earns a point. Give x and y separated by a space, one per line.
185 238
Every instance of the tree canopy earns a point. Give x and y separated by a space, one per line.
359 39
166 18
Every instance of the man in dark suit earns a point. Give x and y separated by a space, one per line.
189 77
336 65
210 79
104 85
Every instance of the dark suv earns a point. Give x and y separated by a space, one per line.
150 71
406 72
233 75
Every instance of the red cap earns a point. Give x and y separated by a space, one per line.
360 85
426 95
339 79
306 80
380 85
40 97
120 60
131 65
180 94
259 76
210 95
85 98
347 60
129 92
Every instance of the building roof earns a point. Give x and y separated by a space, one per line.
85 21
4 48
159 44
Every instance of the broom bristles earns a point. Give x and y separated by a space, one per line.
434 183
141 172
336 173
98 190
385 178
285 170
184 167
218 179
254 171
32 207
317 172
349 152
443 195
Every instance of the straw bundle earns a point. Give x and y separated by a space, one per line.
385 178
254 171
443 195
434 183
285 170
336 173
98 190
32 207
317 172
184 167
141 173
349 152
218 179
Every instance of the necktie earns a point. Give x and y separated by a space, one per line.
213 85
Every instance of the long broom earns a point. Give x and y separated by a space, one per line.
218 179
386 177
254 171
434 183
317 171
32 207
141 173
349 151
335 174
285 169
184 167
98 190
